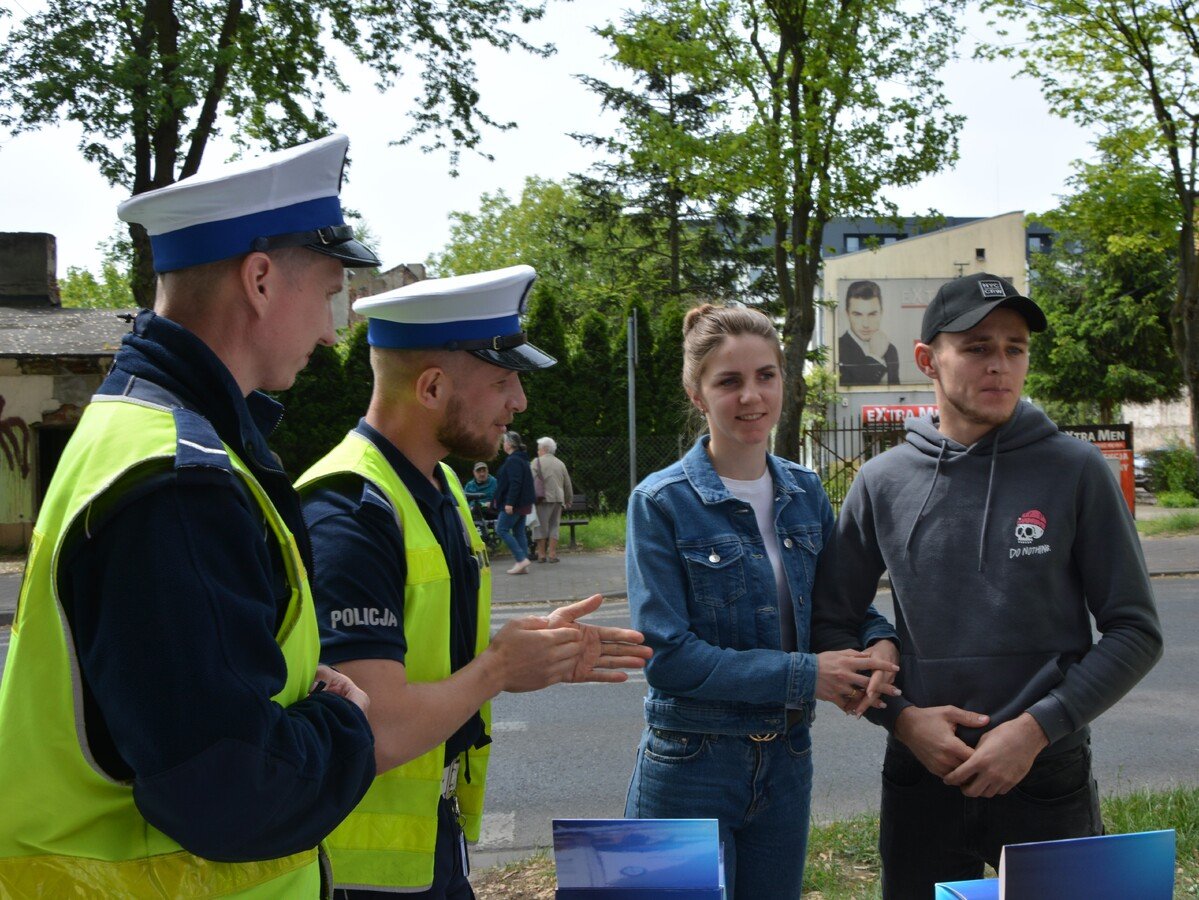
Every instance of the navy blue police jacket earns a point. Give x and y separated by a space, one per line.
173 599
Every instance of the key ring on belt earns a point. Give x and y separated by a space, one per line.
763 738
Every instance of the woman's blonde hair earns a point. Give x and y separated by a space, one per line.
705 327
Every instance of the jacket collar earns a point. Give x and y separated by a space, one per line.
697 466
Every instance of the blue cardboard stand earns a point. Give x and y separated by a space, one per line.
1110 867
638 859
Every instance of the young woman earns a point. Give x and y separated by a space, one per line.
514 495
721 554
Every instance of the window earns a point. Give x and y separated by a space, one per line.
863 241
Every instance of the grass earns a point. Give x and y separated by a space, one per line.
1186 522
604 532
843 861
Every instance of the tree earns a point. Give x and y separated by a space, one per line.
82 290
829 103
1128 67
1107 287
150 81
652 174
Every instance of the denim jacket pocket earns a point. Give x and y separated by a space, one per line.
716 572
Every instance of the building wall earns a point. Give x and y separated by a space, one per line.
908 273
35 394
1157 426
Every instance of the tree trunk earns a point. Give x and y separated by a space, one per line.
1185 317
143 281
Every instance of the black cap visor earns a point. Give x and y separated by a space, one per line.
1028 309
352 254
522 358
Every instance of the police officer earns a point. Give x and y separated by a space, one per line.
165 730
403 583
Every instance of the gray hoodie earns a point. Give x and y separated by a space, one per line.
996 553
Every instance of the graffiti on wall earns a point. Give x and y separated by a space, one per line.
14 442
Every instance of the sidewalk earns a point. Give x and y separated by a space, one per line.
581 574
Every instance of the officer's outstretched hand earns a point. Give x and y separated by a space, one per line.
606 649
528 654
332 681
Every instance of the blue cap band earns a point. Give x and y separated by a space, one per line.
410 336
210 241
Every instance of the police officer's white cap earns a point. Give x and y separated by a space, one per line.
479 313
284 199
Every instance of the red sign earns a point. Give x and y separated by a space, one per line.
894 415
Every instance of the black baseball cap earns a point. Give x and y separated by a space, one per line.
964 302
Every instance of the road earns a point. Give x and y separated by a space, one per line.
568 751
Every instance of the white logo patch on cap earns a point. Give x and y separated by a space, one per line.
992 289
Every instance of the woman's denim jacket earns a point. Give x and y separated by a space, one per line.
702 590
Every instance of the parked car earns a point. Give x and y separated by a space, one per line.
1141 469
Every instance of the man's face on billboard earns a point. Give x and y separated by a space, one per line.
865 315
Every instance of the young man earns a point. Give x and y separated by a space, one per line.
160 730
1002 539
403 582
865 355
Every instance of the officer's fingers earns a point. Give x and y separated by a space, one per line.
616 660
605 677
570 613
618 635
623 650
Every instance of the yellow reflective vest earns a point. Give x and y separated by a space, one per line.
389 840
67 829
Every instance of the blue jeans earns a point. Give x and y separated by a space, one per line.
930 832
760 791
511 528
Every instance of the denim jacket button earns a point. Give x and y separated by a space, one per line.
714 558
788 543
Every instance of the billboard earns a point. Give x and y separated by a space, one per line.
877 323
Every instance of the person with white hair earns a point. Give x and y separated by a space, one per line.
554 492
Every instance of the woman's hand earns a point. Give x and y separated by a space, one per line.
879 679
844 677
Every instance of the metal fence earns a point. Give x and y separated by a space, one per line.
599 465
837 449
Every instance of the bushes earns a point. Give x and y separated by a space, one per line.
1174 471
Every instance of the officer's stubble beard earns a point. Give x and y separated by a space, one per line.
455 434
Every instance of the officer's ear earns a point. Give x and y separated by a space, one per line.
258 278
432 387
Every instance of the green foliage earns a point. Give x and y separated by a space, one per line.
326 401
80 289
603 532
1107 287
1177 500
1174 470
1128 69
1174 524
810 111
151 83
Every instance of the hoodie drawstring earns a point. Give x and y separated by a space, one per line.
982 535
936 474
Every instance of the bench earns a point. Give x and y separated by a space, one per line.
575 515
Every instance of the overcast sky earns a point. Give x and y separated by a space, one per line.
1015 155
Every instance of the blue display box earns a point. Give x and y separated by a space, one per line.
638 859
1111 867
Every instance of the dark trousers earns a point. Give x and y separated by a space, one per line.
930 832
449 878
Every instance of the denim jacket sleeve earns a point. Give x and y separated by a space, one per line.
684 665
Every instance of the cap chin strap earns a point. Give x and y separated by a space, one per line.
502 342
330 235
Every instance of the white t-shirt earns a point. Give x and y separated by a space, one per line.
759 494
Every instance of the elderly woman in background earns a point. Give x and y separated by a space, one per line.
554 492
